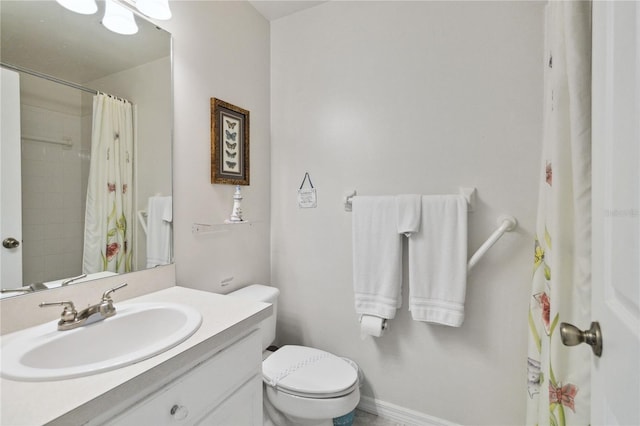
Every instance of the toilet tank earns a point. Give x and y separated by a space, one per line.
266 294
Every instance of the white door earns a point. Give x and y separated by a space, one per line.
616 212
10 181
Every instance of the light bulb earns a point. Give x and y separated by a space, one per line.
85 7
119 19
156 9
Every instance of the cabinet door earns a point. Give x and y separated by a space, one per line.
242 408
200 390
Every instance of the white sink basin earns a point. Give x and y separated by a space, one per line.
137 332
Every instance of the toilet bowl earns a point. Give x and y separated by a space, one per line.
310 386
302 385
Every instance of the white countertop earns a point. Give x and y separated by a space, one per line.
74 401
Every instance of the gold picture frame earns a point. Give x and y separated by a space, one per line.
229 143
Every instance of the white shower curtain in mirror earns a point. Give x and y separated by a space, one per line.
558 391
108 215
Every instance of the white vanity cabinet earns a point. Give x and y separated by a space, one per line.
212 378
224 389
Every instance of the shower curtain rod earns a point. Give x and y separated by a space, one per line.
59 81
48 77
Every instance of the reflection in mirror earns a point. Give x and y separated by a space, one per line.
86 97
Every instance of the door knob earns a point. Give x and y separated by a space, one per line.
10 243
572 335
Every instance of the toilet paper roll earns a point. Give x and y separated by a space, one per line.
372 326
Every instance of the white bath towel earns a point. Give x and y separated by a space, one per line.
409 209
377 256
159 218
438 261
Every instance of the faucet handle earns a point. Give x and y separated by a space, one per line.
72 279
69 312
106 305
106 296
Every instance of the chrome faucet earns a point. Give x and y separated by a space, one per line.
71 318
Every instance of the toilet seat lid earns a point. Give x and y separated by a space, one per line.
308 371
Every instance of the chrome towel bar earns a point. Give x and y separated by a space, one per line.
506 223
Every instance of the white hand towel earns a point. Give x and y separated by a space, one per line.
377 256
159 231
438 261
167 209
409 209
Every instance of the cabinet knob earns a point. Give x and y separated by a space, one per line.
179 412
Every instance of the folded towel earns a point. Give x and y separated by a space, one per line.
377 256
159 231
438 261
409 208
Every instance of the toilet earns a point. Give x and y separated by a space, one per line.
302 385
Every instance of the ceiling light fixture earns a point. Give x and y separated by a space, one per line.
119 19
84 7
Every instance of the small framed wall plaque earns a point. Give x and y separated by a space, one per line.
229 143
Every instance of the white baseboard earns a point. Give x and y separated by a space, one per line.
399 414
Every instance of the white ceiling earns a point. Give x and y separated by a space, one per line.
274 9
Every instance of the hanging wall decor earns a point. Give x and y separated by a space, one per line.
307 197
229 143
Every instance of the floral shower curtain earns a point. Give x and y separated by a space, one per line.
559 376
108 215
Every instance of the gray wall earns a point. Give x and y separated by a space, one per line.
221 49
410 97
385 98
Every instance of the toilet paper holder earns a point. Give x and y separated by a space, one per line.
384 322
372 325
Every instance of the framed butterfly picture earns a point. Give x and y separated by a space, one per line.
229 143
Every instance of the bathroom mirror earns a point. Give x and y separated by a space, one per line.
50 45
